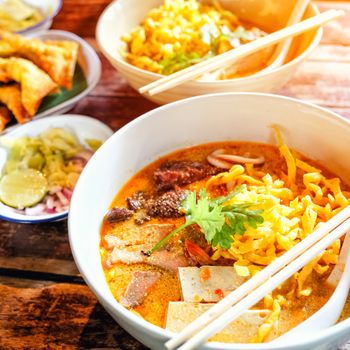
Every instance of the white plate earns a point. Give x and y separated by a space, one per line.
88 61
83 126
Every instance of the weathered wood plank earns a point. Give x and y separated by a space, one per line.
331 53
323 83
114 111
23 282
112 83
80 16
336 32
40 248
58 317
37 264
45 240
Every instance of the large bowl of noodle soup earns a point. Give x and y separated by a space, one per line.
306 128
123 16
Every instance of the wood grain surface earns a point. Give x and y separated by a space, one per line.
44 303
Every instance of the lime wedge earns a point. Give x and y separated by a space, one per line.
23 188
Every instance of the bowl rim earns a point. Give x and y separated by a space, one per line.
155 76
60 118
161 333
44 20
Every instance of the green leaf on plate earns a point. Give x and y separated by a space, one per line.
79 85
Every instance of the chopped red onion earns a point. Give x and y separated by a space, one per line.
39 209
50 202
64 201
67 193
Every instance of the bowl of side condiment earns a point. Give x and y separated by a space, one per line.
41 162
28 16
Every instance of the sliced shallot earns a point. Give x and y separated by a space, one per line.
50 202
222 160
64 201
215 161
67 193
39 209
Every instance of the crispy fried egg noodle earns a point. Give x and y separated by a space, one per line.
291 212
183 32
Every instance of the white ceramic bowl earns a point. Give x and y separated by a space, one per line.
84 127
88 61
122 16
316 132
50 8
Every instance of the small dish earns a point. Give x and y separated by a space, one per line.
89 65
50 8
83 126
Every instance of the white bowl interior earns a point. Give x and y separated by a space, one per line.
234 116
84 127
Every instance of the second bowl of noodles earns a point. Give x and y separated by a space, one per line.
148 40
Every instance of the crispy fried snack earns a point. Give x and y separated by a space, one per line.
70 49
56 58
4 77
35 83
6 49
10 96
5 117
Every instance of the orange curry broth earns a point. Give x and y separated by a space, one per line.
167 288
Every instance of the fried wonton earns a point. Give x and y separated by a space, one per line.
35 83
6 49
5 117
4 77
10 96
56 58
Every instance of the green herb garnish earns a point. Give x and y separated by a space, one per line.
179 61
218 220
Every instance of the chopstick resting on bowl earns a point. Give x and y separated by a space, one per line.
282 49
265 281
198 69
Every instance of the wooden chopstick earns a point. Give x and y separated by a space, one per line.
259 293
295 17
257 280
198 69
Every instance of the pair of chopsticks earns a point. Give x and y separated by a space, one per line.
223 59
264 282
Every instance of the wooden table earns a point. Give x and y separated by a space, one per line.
44 303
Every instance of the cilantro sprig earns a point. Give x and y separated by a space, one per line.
218 219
